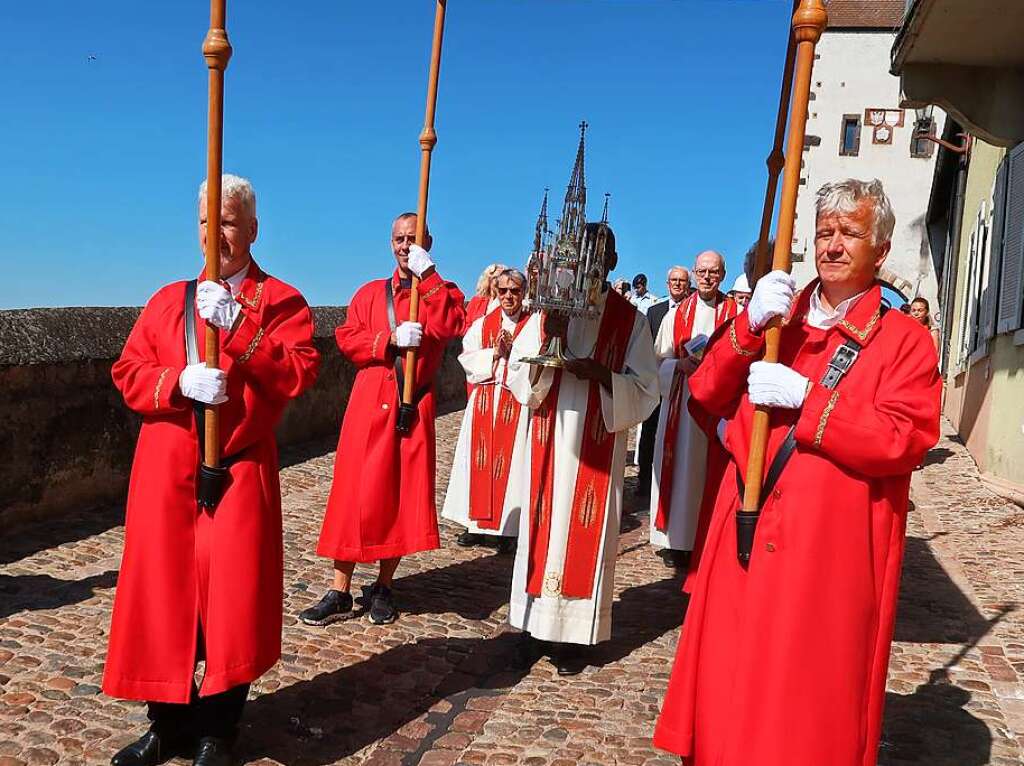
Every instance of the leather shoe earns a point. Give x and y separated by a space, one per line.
214 751
147 750
568 660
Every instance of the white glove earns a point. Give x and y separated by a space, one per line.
408 335
776 385
419 260
204 384
773 297
216 305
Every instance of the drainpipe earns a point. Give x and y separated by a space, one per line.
952 255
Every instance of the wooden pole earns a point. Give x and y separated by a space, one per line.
809 22
216 51
428 139
775 161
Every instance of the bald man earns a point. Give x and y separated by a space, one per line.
681 446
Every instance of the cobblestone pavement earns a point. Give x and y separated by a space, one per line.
439 687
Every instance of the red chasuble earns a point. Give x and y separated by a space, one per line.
784 663
382 499
493 438
588 506
184 567
725 309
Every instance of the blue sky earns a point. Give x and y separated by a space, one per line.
324 102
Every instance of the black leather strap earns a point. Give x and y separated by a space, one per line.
389 300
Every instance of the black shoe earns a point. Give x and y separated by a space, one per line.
469 539
506 545
148 750
675 559
334 606
382 607
568 660
213 751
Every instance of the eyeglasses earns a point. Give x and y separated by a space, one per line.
512 290
707 272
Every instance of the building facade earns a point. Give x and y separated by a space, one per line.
856 128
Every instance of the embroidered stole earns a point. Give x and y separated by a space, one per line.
725 309
492 440
590 496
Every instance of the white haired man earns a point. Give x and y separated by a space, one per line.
783 658
201 577
681 448
485 489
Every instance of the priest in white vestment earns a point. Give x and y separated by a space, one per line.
563 580
679 472
485 488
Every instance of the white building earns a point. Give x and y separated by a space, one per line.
856 129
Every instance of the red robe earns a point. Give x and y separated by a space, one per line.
381 504
784 664
183 567
477 308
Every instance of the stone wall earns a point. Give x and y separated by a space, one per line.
66 438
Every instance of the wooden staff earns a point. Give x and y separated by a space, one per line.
428 139
776 160
216 51
809 22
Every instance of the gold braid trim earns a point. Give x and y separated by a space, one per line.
159 386
736 343
432 290
825 413
255 300
252 347
862 334
376 343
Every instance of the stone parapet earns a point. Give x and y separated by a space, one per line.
66 438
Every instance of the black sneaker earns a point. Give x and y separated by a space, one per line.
334 606
382 607
469 539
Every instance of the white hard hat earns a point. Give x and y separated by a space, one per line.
741 285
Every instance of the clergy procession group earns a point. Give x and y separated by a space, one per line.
781 660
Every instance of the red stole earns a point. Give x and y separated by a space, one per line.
589 504
492 440
725 309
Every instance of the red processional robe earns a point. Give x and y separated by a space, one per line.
185 569
476 308
784 663
381 504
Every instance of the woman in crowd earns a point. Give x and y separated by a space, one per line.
921 311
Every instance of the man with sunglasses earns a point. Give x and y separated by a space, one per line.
484 491
681 447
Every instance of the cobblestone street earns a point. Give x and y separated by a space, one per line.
440 686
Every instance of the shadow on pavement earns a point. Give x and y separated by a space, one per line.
473 589
337 714
33 592
642 614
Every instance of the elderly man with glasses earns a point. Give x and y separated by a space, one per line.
681 447
484 492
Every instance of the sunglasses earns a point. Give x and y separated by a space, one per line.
513 290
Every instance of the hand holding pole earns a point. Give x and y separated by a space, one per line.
809 22
428 138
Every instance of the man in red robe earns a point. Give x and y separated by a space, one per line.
381 505
199 582
782 662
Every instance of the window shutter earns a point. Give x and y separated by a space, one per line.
1010 295
991 296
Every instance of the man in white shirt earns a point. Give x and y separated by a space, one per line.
640 297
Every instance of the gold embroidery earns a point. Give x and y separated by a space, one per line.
431 291
159 385
481 456
252 347
499 466
736 343
552 584
862 334
587 508
253 302
508 412
376 343
825 413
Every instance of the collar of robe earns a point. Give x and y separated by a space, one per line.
250 292
861 322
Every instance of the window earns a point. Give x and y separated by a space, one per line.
849 136
922 148
1011 284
